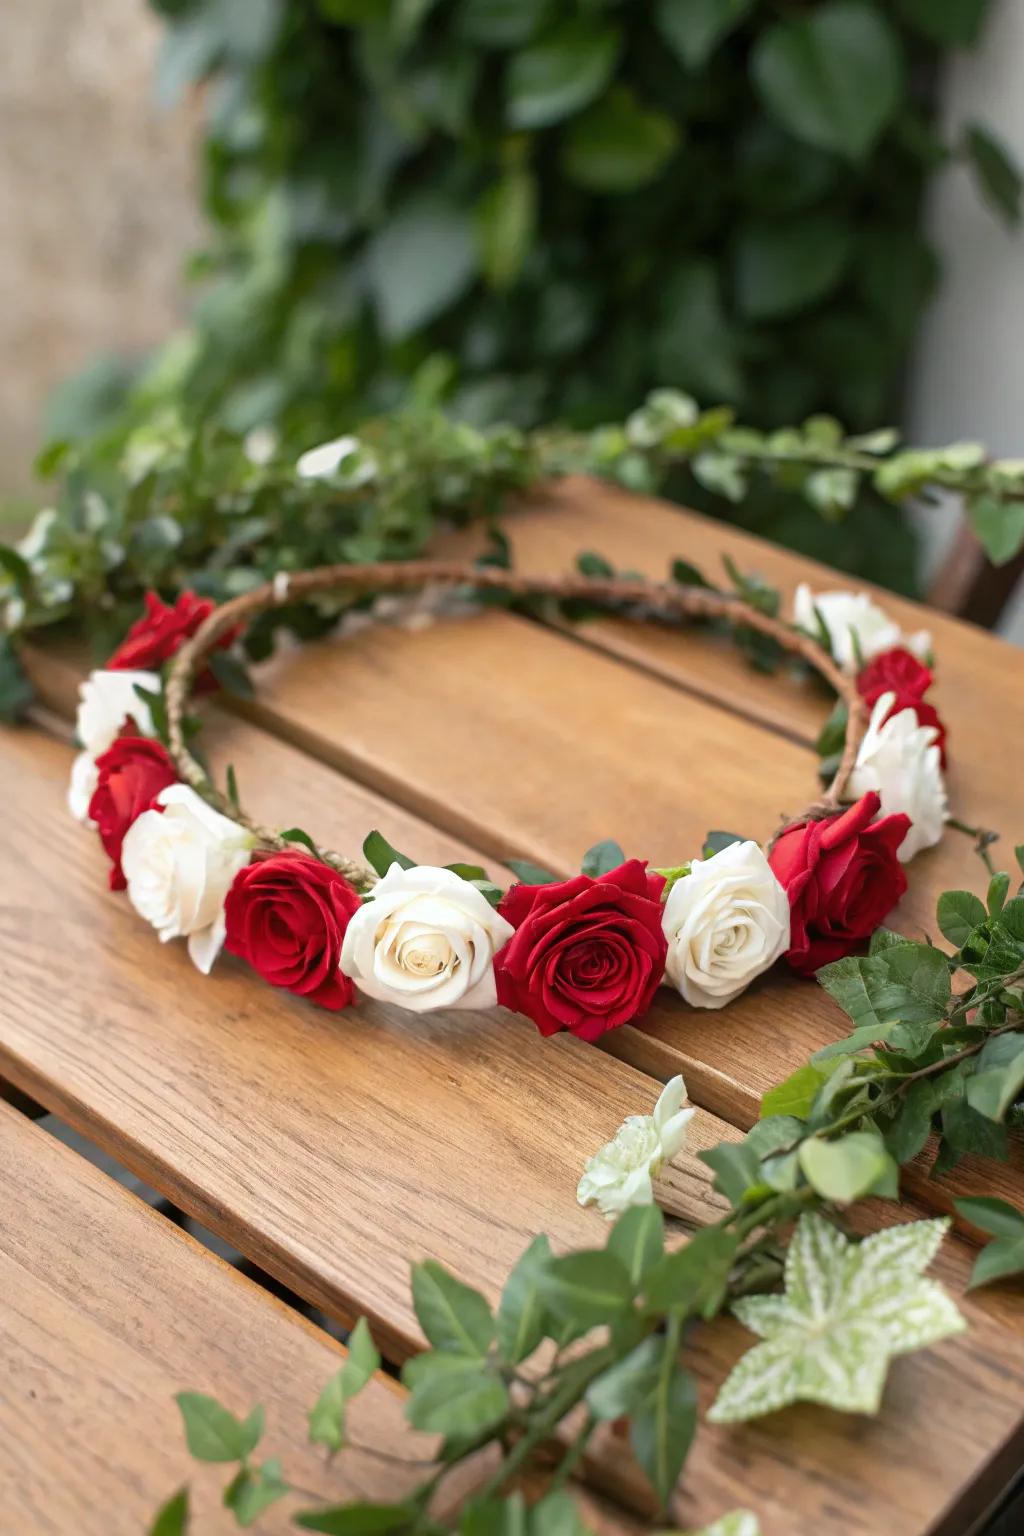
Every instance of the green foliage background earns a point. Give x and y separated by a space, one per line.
533 210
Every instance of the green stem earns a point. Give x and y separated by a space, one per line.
574 1455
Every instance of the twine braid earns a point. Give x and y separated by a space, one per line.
654 599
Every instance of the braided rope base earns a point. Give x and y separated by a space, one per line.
647 599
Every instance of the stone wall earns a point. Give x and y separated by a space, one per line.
97 206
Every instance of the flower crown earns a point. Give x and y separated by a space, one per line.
585 954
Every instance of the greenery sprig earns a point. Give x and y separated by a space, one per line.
589 1337
166 506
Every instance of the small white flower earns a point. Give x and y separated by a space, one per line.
620 1174
260 445
84 778
180 864
726 922
106 699
426 939
320 463
846 614
899 759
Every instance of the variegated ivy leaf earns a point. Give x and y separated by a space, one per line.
847 1310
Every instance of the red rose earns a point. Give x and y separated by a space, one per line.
286 915
160 633
842 877
587 954
898 671
131 774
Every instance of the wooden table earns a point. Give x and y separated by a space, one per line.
333 1149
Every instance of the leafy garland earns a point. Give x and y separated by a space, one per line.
922 1058
166 506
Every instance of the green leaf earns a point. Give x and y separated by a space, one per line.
16 692
380 855
296 835
501 23
663 1425
999 1078
466 1398
560 73
997 174
506 218
693 29
899 994
327 1419
966 1132
620 1390
783 266
530 874
453 1316
846 1169
521 1318
554 1515
214 1434
714 842
998 889
618 145
959 913
253 1491
1004 1256
796 1095
695 344
848 1308
422 260
357 1519
172 1517
602 857
909 1132
693 1278
587 1288
231 674
832 77
953 24
638 1239
988 1214
999 525
17 568
737 1168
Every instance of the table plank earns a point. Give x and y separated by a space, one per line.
333 1149
106 1310
541 747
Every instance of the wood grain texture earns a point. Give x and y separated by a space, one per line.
540 747
107 1310
334 1149
331 1148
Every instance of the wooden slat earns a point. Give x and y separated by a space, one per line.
107 1310
526 743
333 1149
330 1148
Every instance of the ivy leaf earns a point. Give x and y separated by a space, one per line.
254 1490
618 145
16 692
422 260
999 525
664 1421
832 77
796 1095
638 1239
737 1168
848 1168
783 266
999 1077
454 1316
959 913
847 1310
602 857
212 1433
506 218
560 73
693 29
172 1517
327 1418
997 175
530 874
520 1323
380 855
587 1288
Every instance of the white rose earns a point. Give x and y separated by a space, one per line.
620 1174
425 939
900 760
180 864
84 778
105 700
726 922
846 614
